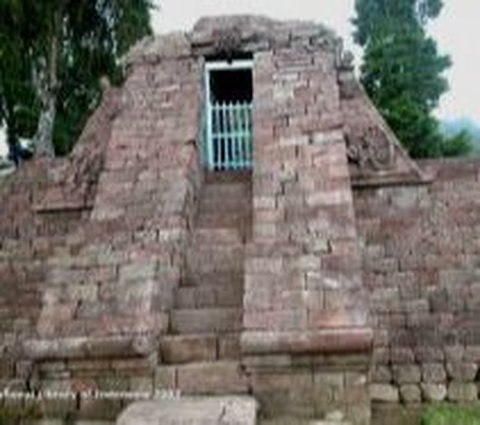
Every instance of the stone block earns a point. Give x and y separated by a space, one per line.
212 378
433 373
434 392
472 353
395 414
462 372
429 354
185 349
410 393
228 346
384 393
381 374
165 378
284 320
406 374
206 320
99 409
462 392
455 353
335 416
138 271
264 265
334 381
402 355
186 411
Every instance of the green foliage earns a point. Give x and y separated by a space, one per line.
402 70
444 414
17 96
89 37
411 13
452 128
460 144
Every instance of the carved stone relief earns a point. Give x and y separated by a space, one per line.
371 149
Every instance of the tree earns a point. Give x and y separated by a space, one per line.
52 56
459 144
402 70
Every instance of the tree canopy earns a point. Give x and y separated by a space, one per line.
53 54
402 71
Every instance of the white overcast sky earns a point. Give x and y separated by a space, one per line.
457 31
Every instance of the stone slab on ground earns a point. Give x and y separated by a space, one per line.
299 421
61 422
192 411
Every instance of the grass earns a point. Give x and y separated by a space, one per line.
447 414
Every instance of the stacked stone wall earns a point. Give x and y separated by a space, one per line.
93 246
304 227
421 259
109 292
41 203
303 288
348 235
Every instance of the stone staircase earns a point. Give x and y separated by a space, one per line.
201 353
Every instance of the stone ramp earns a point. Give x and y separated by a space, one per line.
192 411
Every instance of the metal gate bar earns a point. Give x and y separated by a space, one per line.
229 139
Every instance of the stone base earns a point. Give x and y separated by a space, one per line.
343 340
88 347
311 387
191 411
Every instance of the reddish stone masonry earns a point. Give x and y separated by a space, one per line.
338 271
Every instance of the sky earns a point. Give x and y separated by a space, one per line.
457 32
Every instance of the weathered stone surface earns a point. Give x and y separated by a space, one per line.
406 374
433 373
434 392
462 372
191 411
410 393
336 243
462 392
384 392
335 416
222 377
184 349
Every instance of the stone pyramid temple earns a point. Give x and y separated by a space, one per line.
238 219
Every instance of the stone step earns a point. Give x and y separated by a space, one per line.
226 190
216 220
180 349
208 295
217 278
205 320
188 348
216 235
213 258
203 378
237 208
228 177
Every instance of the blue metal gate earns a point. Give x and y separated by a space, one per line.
228 143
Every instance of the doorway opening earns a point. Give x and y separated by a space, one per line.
228 140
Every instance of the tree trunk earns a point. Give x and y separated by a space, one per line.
43 139
46 84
